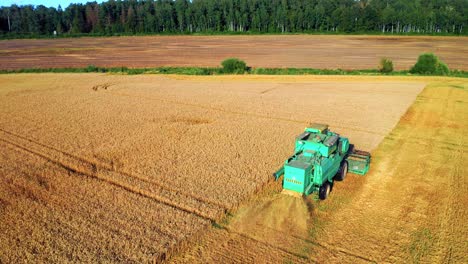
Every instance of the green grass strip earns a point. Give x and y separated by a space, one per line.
219 71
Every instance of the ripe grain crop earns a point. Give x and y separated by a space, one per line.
99 167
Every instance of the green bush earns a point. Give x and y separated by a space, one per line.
428 63
91 68
234 66
386 65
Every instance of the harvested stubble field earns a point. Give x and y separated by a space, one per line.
296 51
101 167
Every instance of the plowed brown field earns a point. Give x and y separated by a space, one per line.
100 167
410 208
299 51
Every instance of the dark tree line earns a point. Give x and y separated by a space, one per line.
263 16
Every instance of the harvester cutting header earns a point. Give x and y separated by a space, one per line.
320 157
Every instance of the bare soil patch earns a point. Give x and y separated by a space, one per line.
136 171
300 51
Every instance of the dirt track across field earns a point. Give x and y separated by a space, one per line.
99 167
410 208
295 51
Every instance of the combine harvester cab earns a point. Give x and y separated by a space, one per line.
320 157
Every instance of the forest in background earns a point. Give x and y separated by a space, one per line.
237 16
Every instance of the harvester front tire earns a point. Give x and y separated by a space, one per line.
324 191
343 172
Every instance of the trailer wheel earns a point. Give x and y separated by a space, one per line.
343 171
324 190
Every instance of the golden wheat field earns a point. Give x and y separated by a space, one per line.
98 168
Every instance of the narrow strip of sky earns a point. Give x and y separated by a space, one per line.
47 3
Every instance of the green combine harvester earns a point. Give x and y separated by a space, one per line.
320 157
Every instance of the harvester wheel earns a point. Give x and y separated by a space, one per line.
324 191
343 171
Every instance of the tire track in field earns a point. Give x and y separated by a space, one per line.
441 144
106 223
273 247
109 181
256 115
92 170
332 249
110 167
268 245
316 243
